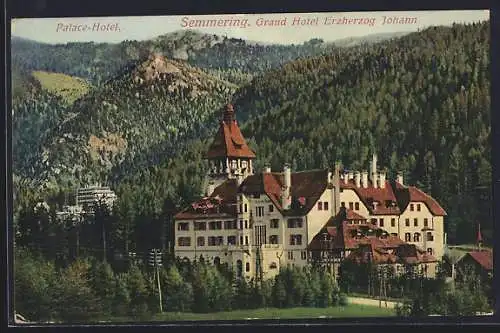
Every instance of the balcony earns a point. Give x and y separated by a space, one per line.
271 246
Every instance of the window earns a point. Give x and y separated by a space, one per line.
246 224
231 240
239 266
416 237
215 240
241 224
241 240
290 255
200 226
184 226
271 208
241 209
246 240
320 205
200 241
430 237
393 222
430 251
415 222
275 223
325 205
229 225
381 222
295 223
303 255
418 207
247 267
216 225
246 208
273 239
351 205
407 237
356 206
374 221
342 204
407 222
295 239
426 222
184 241
259 211
412 208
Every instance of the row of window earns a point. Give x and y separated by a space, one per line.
323 205
232 225
352 205
415 222
393 222
416 237
211 241
303 255
231 240
412 207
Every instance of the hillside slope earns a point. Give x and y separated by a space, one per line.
136 120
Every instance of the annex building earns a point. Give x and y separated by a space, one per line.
259 220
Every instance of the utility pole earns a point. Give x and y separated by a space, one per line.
155 261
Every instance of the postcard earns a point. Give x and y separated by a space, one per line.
251 166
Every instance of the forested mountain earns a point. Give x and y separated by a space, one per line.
421 102
232 59
143 116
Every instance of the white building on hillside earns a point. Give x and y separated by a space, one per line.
258 221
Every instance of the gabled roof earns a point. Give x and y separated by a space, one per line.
407 194
403 254
229 141
385 198
483 258
308 185
220 204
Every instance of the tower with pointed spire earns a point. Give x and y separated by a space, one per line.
229 156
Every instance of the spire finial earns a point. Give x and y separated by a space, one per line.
228 114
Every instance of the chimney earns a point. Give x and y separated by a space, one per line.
364 179
267 168
210 189
373 175
382 179
336 189
286 199
346 177
358 179
351 175
399 177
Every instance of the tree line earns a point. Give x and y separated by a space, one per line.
89 289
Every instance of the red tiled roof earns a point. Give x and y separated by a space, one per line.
385 198
403 253
407 194
352 215
220 204
483 258
305 184
229 141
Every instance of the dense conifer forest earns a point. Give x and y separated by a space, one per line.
421 102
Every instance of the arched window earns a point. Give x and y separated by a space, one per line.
217 261
239 268
247 267
416 237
